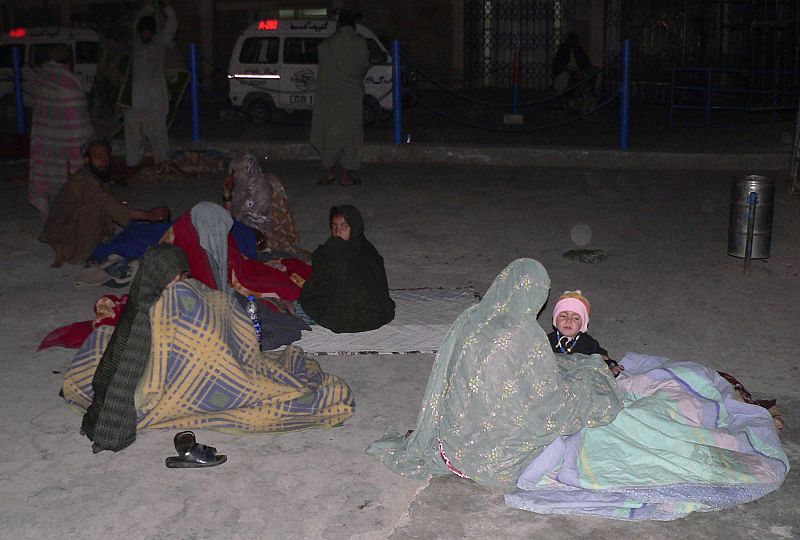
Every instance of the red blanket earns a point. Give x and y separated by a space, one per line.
107 309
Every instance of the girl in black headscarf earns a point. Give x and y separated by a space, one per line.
348 291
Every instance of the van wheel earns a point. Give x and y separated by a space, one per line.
372 111
260 111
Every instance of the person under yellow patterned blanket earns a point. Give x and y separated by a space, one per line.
204 370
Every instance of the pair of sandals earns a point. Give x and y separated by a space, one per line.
193 455
346 180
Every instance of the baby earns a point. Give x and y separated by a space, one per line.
571 321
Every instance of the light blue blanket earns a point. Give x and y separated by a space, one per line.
681 444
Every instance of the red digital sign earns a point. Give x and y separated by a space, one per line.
269 24
18 33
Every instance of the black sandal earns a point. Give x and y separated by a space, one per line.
192 455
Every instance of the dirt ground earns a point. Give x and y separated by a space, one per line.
667 288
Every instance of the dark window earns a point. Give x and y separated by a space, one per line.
87 52
259 51
40 52
376 54
7 58
301 50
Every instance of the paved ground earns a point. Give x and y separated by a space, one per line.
668 288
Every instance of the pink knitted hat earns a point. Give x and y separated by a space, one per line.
573 301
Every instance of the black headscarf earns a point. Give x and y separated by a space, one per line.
110 421
348 291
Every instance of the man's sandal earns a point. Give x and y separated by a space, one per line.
192 455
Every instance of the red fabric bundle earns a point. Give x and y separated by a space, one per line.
108 309
252 274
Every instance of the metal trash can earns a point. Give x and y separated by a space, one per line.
764 190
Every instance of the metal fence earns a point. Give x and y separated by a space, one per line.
495 29
755 35
759 36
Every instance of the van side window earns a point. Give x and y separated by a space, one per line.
301 50
259 51
376 54
40 52
87 52
7 55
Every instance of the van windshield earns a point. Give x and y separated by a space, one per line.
7 58
40 52
376 54
259 51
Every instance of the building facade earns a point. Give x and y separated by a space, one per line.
474 43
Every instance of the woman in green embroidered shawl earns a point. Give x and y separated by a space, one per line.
496 395
110 421
348 291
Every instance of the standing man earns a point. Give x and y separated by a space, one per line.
147 117
337 127
61 124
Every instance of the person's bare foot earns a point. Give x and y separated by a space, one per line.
328 178
349 178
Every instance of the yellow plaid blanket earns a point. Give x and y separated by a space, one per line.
206 371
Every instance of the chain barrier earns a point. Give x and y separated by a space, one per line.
589 79
498 129
430 108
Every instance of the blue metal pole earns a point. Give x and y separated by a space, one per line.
625 95
672 96
195 89
515 83
515 98
708 98
397 93
18 92
752 202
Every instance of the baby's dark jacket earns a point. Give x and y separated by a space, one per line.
586 344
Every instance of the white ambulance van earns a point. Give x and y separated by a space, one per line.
34 43
274 66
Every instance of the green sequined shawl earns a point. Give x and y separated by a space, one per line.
497 394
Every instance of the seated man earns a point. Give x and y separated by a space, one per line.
85 210
571 66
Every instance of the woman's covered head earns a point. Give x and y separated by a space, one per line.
571 313
346 222
252 200
244 166
210 216
213 223
520 289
